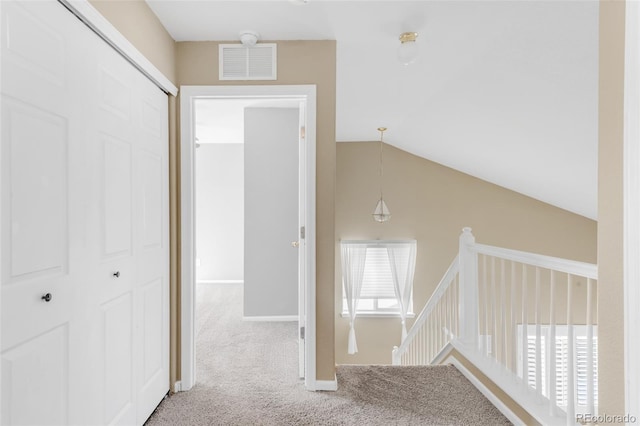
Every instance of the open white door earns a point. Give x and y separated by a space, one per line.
271 213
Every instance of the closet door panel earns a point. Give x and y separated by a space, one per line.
151 242
43 360
118 374
42 257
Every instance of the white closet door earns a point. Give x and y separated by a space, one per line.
151 237
42 249
101 229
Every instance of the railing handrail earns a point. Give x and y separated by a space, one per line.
428 307
573 267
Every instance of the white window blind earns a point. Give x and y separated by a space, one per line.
377 281
378 294
561 352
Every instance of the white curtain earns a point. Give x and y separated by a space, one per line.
353 260
402 259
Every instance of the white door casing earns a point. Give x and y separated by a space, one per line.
85 195
305 95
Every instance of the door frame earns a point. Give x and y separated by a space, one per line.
631 226
307 204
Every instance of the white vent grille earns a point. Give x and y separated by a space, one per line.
238 62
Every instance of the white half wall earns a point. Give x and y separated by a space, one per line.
220 212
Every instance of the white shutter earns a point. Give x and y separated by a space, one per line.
561 354
531 362
581 369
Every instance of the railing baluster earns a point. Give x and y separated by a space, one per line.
420 347
457 305
552 345
525 334
589 322
451 308
485 288
438 333
571 409
503 311
494 319
512 320
538 336
432 341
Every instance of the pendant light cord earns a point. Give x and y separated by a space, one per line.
381 129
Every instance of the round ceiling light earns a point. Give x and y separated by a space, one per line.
249 38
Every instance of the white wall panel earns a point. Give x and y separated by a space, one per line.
38 185
117 201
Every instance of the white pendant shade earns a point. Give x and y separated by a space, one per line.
381 212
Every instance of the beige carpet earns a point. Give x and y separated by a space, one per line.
247 375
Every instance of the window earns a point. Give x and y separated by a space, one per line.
561 353
378 295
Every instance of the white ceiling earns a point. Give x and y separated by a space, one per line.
503 90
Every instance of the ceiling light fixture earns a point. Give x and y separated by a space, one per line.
249 38
408 50
381 213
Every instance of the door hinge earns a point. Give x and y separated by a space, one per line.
302 232
302 333
303 132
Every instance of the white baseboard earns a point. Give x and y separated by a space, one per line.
177 387
486 392
220 282
327 385
272 318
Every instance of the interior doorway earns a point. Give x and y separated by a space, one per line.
258 120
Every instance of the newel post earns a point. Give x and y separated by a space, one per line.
468 278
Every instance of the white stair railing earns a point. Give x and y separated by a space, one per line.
436 325
527 321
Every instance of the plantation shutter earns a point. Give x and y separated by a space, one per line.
561 356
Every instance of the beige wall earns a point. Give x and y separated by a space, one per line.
299 62
137 22
432 203
610 209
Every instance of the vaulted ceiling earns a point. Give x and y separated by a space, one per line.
506 91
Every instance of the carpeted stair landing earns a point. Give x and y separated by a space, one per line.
247 374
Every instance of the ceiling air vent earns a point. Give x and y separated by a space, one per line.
239 62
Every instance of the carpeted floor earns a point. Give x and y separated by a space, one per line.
247 375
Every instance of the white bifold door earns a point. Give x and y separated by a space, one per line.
84 222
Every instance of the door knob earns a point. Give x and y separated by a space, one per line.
116 274
47 297
295 243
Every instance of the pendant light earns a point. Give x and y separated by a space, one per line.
408 49
381 213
